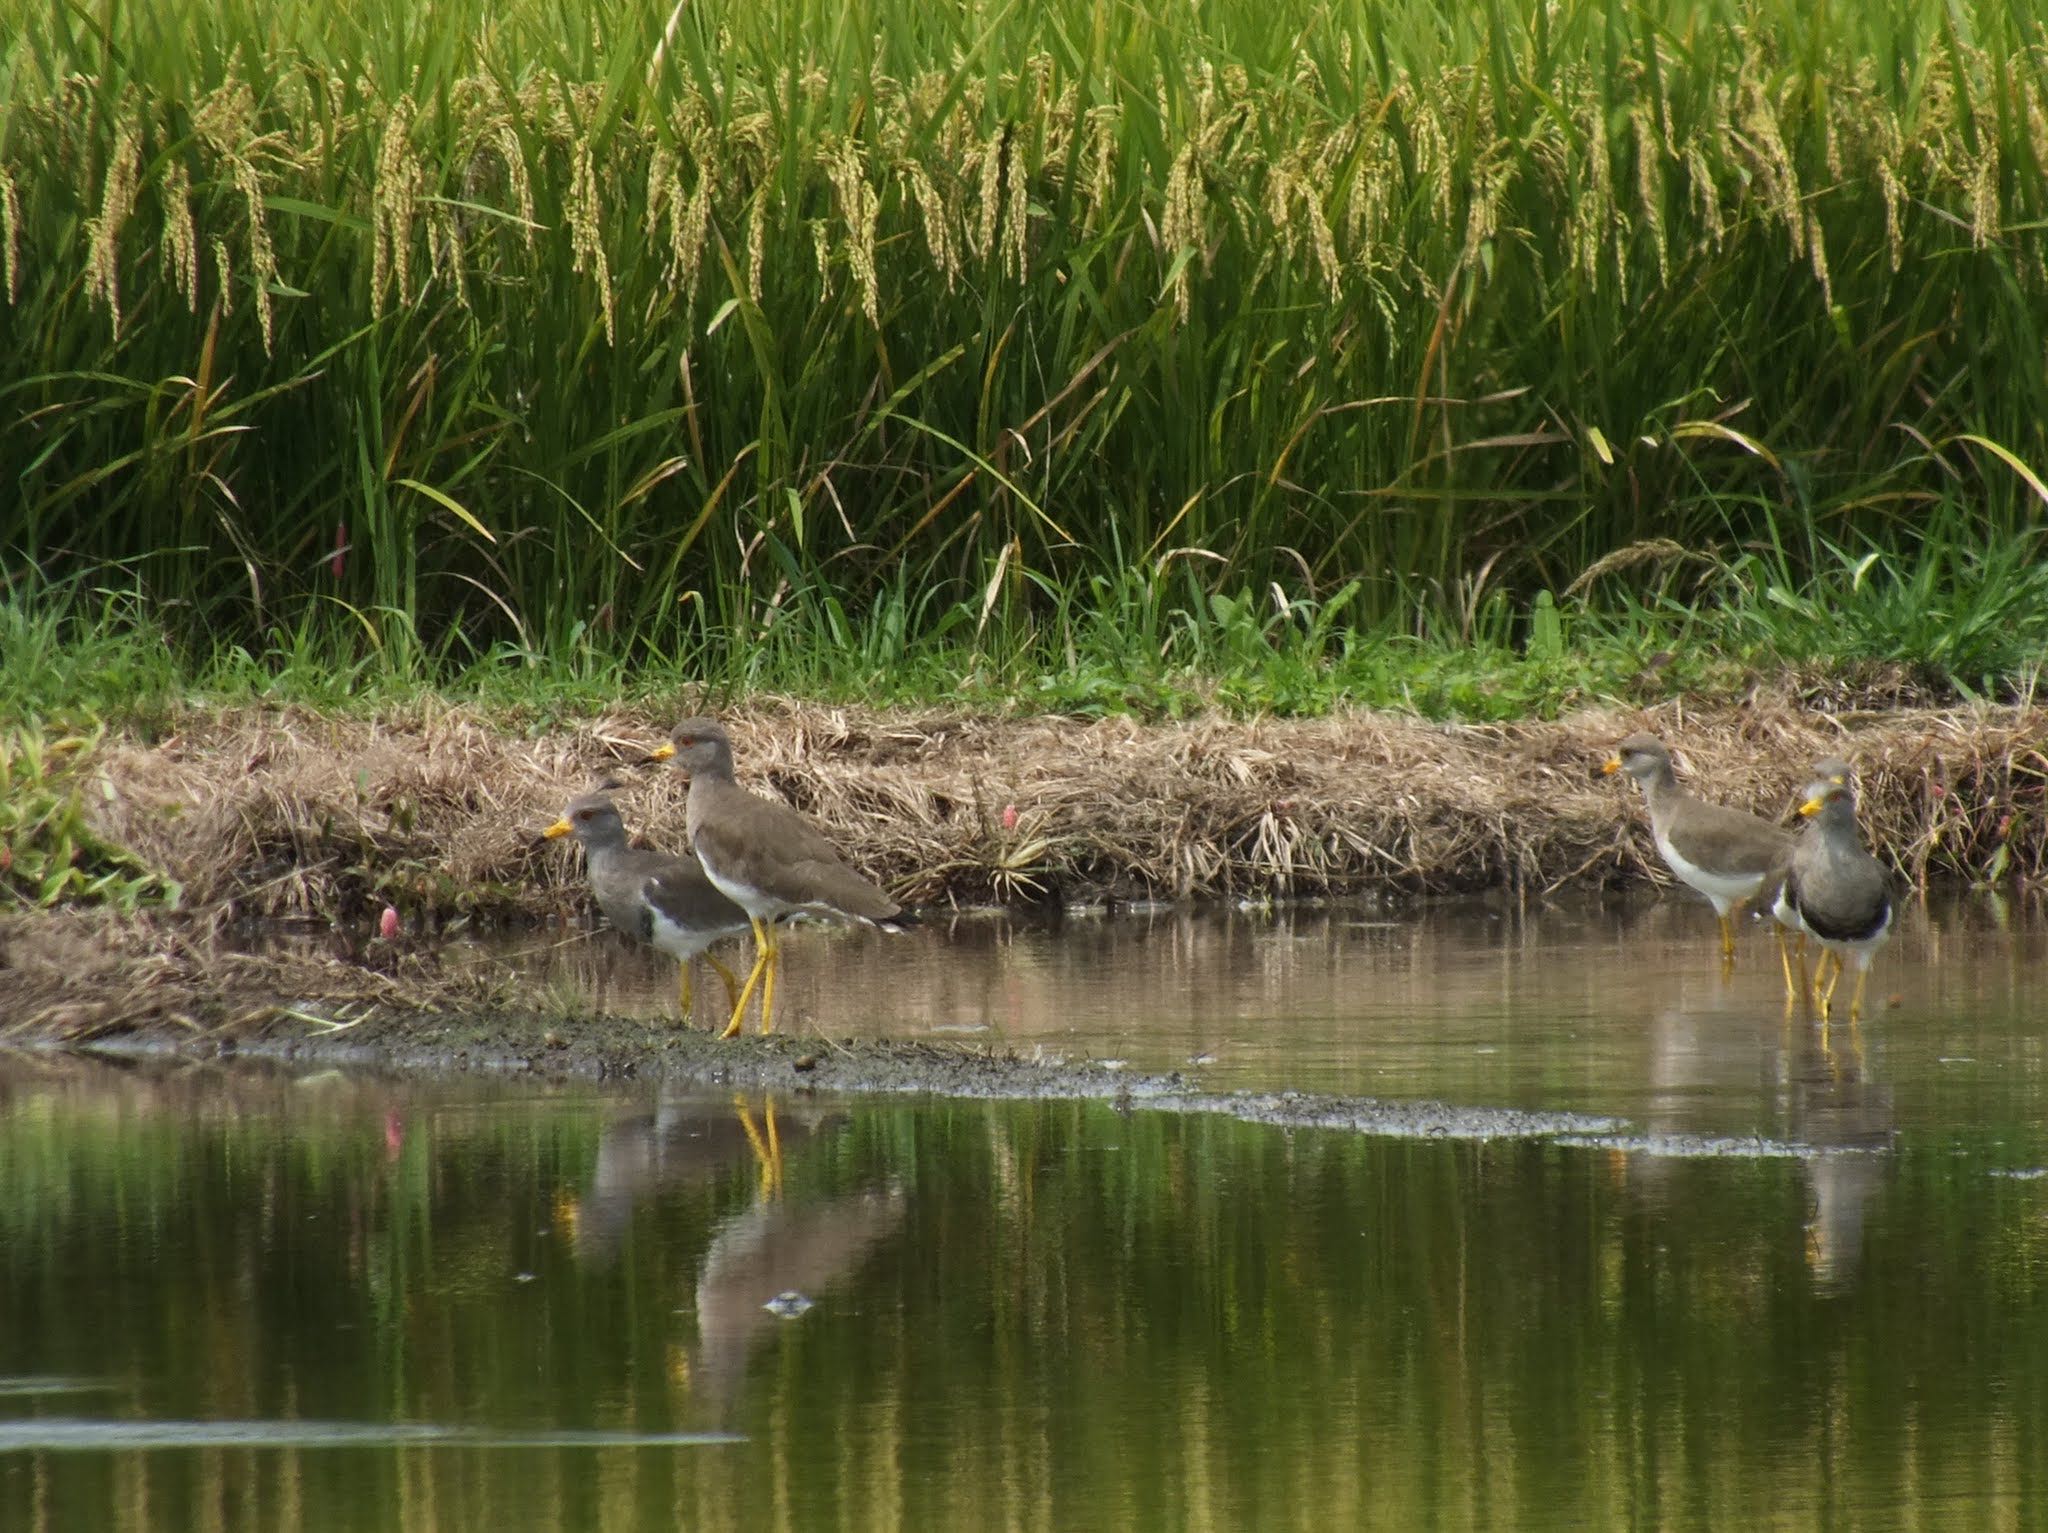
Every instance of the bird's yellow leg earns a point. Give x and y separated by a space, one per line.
765 1141
754 1140
761 951
1728 937
1856 997
768 983
1792 988
1826 991
683 996
732 980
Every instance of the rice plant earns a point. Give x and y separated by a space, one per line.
444 328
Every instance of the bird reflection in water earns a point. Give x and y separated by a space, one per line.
778 1243
1848 1117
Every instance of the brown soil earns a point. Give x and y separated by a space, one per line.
274 813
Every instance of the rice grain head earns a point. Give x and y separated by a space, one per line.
262 256
1984 218
224 273
1757 118
932 217
225 122
180 243
1017 223
757 239
1706 194
860 207
991 192
1186 215
1103 124
117 202
513 156
394 199
1650 150
10 234
586 232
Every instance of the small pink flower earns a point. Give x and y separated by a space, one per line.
387 925
1009 817
1937 790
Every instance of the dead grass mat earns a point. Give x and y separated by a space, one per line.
286 813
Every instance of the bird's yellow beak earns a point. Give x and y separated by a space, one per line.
1610 766
559 828
661 752
1811 807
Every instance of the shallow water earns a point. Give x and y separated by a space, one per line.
235 1298
1583 1006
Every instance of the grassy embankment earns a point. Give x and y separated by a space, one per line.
1473 360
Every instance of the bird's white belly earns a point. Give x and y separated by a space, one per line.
1726 890
1783 913
683 943
1861 948
762 907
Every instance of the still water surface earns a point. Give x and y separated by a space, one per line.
236 1298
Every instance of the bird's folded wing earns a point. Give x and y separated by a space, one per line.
1714 836
682 892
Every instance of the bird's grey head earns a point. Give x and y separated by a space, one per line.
1829 803
592 819
1834 769
1642 756
697 745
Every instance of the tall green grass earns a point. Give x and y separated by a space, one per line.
1933 622
478 332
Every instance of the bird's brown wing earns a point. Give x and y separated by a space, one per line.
770 847
680 890
1715 836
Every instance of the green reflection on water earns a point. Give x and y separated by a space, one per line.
1033 1316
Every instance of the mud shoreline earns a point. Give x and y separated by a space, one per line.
615 1051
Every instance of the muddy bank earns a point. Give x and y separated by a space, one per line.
166 987
282 812
392 1040
173 997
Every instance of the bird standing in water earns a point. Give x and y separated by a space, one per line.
764 857
1840 892
1727 855
664 901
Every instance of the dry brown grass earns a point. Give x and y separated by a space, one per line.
73 976
273 813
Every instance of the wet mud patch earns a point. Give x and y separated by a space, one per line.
603 1048
167 989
